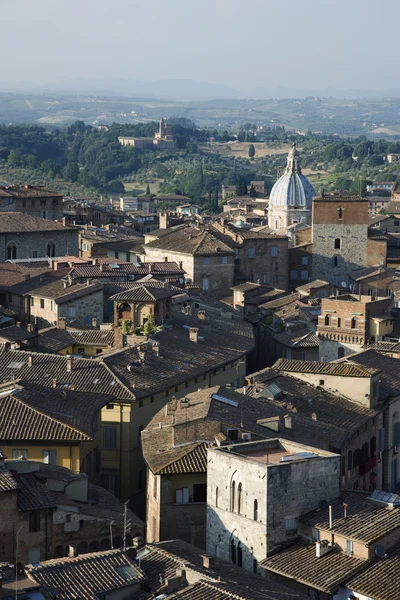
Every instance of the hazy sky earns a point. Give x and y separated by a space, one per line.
243 43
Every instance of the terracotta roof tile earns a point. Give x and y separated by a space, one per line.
300 563
85 576
17 222
342 369
381 580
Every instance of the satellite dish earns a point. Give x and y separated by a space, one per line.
380 551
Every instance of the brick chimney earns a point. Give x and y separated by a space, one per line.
194 334
69 364
62 323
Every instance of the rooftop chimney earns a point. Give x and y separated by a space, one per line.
201 314
18 323
156 349
69 364
194 334
62 323
30 327
54 383
72 551
94 261
208 561
30 360
288 421
330 517
314 416
345 510
94 321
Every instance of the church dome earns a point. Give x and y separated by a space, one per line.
292 188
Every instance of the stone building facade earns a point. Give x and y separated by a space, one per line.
339 237
24 236
256 493
34 200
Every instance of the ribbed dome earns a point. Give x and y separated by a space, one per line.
292 188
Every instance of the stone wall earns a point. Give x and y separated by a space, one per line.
33 244
255 260
283 491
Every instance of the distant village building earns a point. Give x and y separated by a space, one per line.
34 200
162 140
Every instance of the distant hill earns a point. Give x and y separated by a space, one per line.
188 90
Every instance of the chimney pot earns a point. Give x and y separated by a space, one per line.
69 364
72 551
18 323
194 334
208 561
30 360
288 421
54 383
314 416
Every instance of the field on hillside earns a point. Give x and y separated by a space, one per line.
241 149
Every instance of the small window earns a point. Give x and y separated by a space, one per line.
321 382
41 303
110 437
34 253
206 284
304 260
304 275
337 243
216 496
20 454
302 356
34 521
327 320
274 251
84 247
349 546
207 260
224 260
293 275
252 252
291 526
50 457
116 254
396 223
110 406
340 213
354 323
339 322
315 534
255 510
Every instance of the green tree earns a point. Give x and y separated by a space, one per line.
149 327
358 187
71 172
148 190
252 151
252 193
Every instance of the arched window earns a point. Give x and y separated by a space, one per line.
354 323
117 542
339 322
327 320
216 496
277 224
239 502
11 251
337 243
58 552
233 489
94 546
51 249
349 460
233 552
239 555
82 548
340 213
372 446
255 510
105 544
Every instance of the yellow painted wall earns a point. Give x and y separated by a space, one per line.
66 456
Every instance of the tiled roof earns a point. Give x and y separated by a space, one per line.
160 562
367 272
280 302
337 418
304 338
191 240
342 369
8 483
181 359
14 333
339 198
32 494
147 292
28 191
195 461
366 520
37 413
389 367
317 283
85 576
379 346
59 293
300 563
18 222
381 580
86 375
55 339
